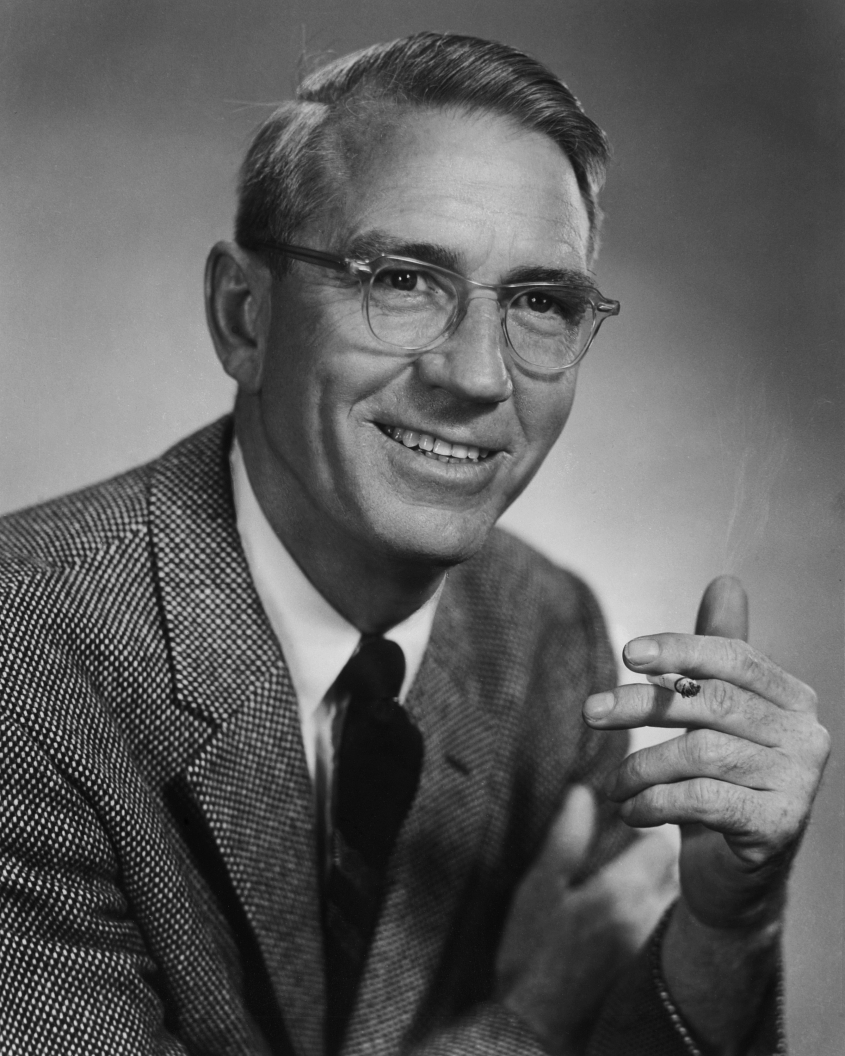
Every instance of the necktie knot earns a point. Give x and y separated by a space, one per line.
378 760
375 672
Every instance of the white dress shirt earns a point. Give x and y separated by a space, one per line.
316 640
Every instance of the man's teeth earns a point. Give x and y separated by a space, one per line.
434 447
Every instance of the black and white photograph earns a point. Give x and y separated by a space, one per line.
422 522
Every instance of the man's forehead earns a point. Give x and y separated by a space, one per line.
455 187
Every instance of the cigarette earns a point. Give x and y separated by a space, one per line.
686 687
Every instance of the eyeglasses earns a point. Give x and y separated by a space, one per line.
416 306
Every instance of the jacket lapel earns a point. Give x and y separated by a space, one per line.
246 769
439 841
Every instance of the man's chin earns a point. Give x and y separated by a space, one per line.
438 540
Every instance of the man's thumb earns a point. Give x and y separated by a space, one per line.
724 609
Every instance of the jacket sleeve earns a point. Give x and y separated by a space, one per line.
74 972
639 1016
489 1030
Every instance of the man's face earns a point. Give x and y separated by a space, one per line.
497 201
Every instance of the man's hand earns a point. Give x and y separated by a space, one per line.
563 946
741 781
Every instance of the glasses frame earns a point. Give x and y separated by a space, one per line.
365 271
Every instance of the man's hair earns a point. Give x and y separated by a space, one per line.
304 154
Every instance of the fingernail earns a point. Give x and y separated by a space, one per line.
642 651
598 706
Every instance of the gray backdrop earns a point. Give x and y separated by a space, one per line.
707 435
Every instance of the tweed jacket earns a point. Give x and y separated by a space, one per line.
158 885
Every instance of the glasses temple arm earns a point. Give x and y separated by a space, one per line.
310 256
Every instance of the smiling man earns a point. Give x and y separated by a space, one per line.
294 758
379 465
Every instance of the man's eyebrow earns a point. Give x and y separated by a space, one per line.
378 243
372 244
543 273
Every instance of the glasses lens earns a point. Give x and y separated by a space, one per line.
408 305
550 327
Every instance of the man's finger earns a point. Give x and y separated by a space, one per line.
571 834
741 813
700 753
650 863
719 706
728 659
724 609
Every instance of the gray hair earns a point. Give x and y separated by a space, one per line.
303 154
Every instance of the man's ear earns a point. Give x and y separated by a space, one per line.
237 308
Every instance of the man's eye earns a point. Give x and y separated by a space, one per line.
539 302
568 307
404 280
408 280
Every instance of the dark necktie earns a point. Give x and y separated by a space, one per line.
376 771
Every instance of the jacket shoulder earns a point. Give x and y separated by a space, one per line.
79 526
530 621
514 578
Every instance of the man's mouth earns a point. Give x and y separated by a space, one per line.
436 447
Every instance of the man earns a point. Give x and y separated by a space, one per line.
236 818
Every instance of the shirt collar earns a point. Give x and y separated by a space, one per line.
316 640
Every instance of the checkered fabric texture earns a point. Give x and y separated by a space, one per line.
158 875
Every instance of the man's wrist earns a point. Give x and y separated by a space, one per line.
713 982
756 930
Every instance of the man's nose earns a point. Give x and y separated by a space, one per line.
471 364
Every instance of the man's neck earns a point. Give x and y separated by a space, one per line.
374 591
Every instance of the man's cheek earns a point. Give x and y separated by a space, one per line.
544 420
